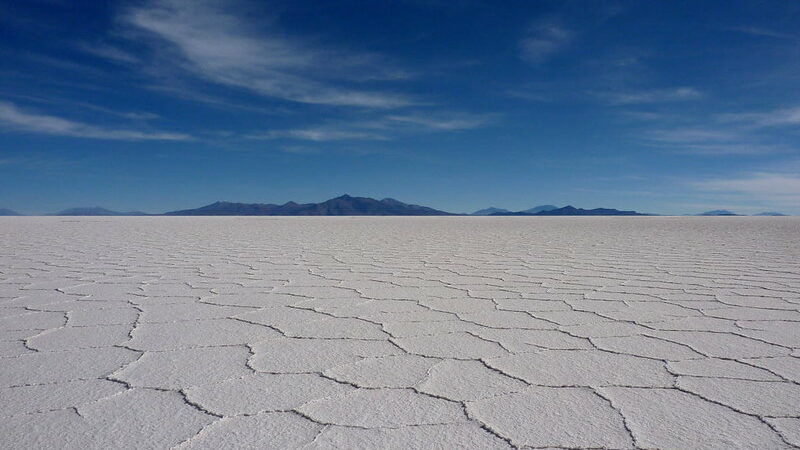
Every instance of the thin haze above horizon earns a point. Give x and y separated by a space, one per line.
158 105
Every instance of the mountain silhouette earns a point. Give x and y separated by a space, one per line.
540 208
96 211
718 212
770 213
570 210
488 211
8 212
339 206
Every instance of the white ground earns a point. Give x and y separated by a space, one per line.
399 332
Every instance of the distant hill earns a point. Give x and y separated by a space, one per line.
339 206
540 208
96 211
8 212
573 211
488 211
770 213
718 212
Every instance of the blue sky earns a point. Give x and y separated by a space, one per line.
667 107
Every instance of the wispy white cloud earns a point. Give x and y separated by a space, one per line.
637 97
758 183
317 135
213 42
742 133
382 128
15 119
686 135
63 102
710 141
440 122
195 94
107 51
764 32
544 39
770 189
775 118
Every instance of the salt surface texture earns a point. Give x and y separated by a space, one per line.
455 332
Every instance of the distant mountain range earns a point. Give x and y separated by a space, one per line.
541 208
491 211
347 205
718 212
488 211
570 210
339 206
725 212
96 211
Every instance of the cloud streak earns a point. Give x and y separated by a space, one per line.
318 135
779 189
640 97
543 40
382 128
775 118
108 52
742 133
15 119
710 141
217 45
441 122
763 32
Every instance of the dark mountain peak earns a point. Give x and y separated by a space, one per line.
84 211
344 205
489 211
540 208
718 212
224 209
96 211
8 212
570 210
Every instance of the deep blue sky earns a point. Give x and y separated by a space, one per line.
660 106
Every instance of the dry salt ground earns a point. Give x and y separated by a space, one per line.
402 333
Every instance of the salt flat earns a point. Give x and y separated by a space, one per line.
450 332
